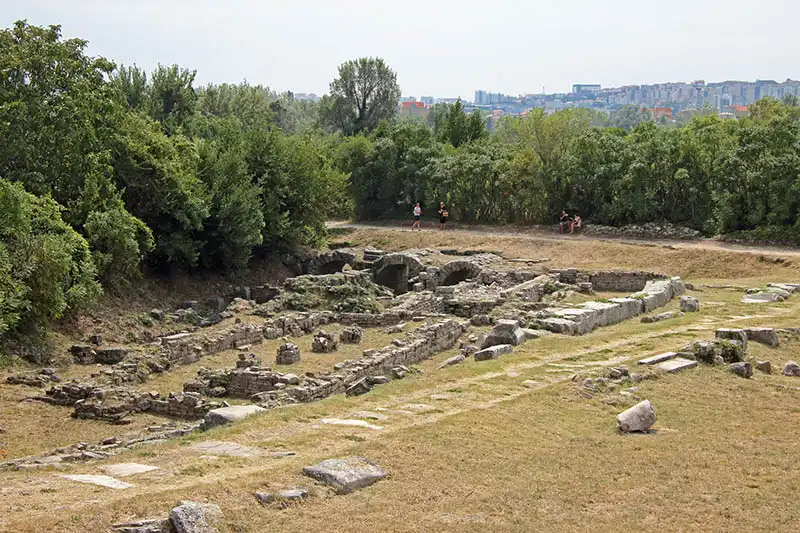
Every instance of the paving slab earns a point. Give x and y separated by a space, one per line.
102 481
228 415
676 365
346 475
232 449
128 469
658 358
350 423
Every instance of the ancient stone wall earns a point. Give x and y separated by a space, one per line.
608 280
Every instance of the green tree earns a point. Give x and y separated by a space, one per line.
459 128
629 116
364 93
158 176
236 219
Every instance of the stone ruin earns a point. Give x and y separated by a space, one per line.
351 335
288 354
520 305
325 342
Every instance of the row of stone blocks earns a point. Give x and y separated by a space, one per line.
586 317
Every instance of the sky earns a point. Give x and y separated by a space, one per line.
439 48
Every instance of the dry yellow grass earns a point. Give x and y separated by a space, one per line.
469 448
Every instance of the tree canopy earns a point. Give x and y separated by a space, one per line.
364 93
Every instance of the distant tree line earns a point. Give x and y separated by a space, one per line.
107 171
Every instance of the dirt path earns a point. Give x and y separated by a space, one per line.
540 235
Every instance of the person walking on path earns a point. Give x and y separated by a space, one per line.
417 217
443 214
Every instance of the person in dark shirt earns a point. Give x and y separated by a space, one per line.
566 221
443 214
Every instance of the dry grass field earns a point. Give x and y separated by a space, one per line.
469 447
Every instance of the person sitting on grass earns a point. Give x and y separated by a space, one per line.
576 223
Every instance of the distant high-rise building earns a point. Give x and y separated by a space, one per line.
427 100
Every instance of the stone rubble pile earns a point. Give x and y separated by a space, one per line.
351 335
41 379
288 354
325 342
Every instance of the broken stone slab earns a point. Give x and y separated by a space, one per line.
514 338
378 380
506 325
791 369
358 388
640 417
732 334
761 297
232 449
788 287
195 517
764 366
660 317
128 469
660 358
286 495
766 336
150 525
493 352
456 359
100 480
227 415
742 369
689 304
676 365
346 475
350 423
531 334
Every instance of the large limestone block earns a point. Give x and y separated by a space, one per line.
766 336
228 415
690 304
346 475
195 517
640 417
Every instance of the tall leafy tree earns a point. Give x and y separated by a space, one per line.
364 93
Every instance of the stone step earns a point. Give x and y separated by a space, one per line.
676 365
658 358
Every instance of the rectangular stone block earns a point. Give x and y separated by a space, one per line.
493 352
676 365
658 358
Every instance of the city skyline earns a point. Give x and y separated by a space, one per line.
444 48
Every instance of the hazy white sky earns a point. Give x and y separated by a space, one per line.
441 48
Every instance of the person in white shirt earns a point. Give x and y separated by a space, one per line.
417 217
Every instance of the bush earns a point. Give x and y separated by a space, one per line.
118 241
53 272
